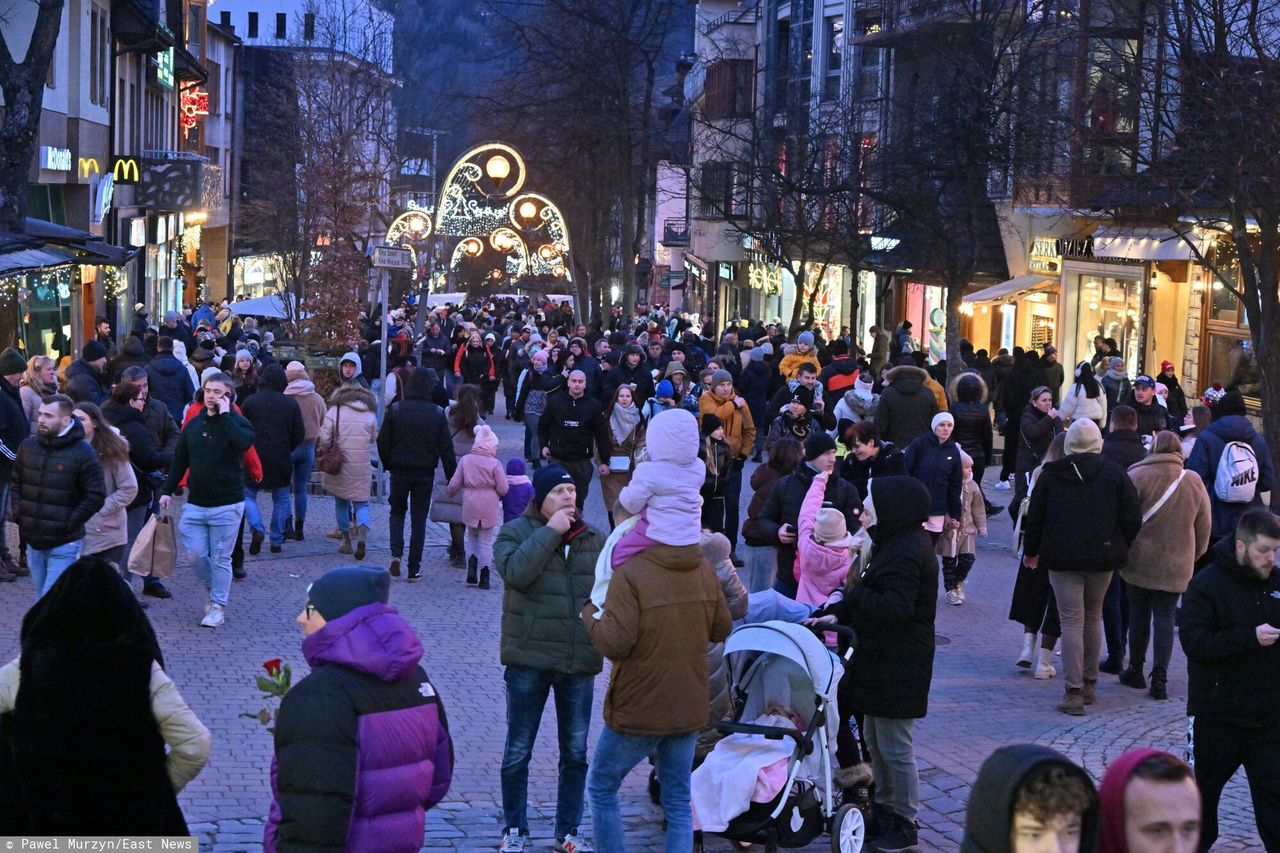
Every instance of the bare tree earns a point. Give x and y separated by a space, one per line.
1205 154
966 108
23 86
320 159
795 188
580 89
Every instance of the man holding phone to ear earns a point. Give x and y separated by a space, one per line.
212 446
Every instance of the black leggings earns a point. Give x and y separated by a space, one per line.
1145 606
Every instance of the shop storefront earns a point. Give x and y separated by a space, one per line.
1022 311
925 305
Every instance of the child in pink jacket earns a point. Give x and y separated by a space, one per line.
824 548
483 484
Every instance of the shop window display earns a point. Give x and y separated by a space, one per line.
1111 307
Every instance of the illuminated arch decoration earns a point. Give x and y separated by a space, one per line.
412 230
483 208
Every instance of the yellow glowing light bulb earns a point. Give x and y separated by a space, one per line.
497 168
528 210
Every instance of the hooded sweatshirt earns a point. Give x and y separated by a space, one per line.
482 481
310 403
362 743
1111 798
666 486
989 817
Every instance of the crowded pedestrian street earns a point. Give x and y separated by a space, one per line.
979 700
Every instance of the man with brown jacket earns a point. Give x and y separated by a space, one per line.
663 607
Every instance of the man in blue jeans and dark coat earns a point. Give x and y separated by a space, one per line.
547 559
663 608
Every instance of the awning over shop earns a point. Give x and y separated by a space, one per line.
1146 244
1014 288
19 259
42 245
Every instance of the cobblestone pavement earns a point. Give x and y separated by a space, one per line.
979 699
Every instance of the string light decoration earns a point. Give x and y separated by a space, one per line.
481 201
412 230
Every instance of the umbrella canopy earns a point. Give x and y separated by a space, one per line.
264 306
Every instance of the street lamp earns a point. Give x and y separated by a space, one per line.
497 168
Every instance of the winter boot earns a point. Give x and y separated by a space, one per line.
1044 668
472 567
484 578
394 569
1112 665
1159 684
1073 702
345 547
1132 677
1028 651
288 528
298 524
1090 691
361 532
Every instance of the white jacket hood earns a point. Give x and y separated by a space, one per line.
672 436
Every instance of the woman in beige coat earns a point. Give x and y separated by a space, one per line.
107 532
352 414
1176 522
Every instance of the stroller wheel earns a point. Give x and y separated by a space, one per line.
848 831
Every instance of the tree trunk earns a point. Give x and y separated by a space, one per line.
23 87
955 297
797 305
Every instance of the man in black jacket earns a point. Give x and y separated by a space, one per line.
14 429
572 430
86 377
277 431
170 381
1151 416
1228 624
779 520
1123 446
57 487
414 438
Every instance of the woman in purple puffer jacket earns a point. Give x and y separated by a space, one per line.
362 743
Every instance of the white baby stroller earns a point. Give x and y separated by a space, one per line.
781 666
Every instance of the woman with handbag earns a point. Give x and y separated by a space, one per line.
463 417
1036 430
626 438
1176 523
149 460
347 433
107 532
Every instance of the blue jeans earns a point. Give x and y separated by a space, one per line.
527 691
48 564
279 511
616 754
209 533
343 509
304 462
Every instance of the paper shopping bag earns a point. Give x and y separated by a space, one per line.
156 549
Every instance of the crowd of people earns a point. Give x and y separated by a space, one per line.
867 503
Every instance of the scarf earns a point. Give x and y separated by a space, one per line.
623 421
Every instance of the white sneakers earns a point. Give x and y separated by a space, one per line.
573 843
1004 485
512 842
954 597
213 617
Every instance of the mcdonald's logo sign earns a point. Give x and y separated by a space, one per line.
125 170
89 166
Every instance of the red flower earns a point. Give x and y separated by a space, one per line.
272 667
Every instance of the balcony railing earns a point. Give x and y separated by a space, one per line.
675 232
733 16
179 180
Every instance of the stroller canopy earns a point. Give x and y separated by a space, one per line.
796 643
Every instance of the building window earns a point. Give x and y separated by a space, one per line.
728 89
869 62
835 55
253 25
309 26
214 85
282 22
724 190
195 31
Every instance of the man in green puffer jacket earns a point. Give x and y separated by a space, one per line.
547 560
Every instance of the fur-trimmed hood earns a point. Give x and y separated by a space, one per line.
953 388
355 397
